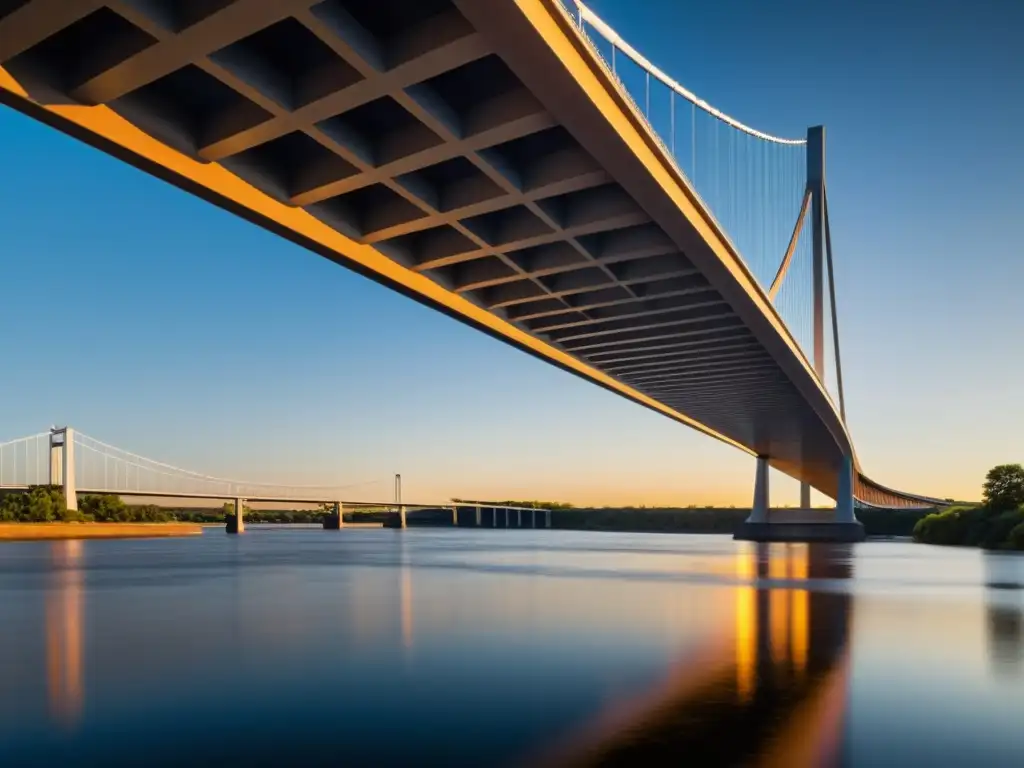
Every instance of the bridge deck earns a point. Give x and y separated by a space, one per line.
472 154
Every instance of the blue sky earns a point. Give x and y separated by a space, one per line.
156 322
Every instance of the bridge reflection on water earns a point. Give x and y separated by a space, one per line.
771 689
783 661
64 632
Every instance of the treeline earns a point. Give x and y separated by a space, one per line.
997 523
46 504
280 516
529 504
877 522
39 504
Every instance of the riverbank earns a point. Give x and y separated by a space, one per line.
721 520
896 522
55 531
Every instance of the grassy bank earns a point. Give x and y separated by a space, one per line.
53 531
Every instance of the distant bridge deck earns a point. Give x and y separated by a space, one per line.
281 499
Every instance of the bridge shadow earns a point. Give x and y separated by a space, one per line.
770 690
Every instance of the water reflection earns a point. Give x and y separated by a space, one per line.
64 632
565 649
1004 615
405 597
774 696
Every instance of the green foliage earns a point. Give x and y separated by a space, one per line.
250 515
529 504
1016 537
971 527
112 509
1004 487
39 504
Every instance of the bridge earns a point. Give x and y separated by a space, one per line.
515 164
80 464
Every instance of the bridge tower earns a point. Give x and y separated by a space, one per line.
822 267
804 525
398 501
62 463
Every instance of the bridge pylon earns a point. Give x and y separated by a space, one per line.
237 525
822 268
62 463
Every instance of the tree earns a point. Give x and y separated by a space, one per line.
1004 487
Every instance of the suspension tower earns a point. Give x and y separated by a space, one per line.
804 525
62 463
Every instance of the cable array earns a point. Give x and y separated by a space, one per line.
25 460
751 182
100 466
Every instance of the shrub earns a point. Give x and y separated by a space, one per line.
1016 538
39 504
950 527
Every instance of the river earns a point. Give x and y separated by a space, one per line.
494 647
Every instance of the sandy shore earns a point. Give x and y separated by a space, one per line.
49 531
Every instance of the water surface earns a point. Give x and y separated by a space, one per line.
495 647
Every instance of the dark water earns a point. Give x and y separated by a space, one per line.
441 647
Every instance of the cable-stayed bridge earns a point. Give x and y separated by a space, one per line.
513 163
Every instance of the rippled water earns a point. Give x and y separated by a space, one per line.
493 647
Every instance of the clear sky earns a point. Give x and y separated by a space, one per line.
158 323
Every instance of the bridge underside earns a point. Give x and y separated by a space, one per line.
472 154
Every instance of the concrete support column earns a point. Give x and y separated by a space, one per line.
533 518
547 518
239 526
805 496
455 516
844 495
759 512
401 516
479 518
335 521
519 518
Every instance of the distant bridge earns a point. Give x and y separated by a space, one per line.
83 465
513 163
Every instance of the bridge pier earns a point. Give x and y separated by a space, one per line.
237 524
336 520
806 524
547 518
479 518
455 516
